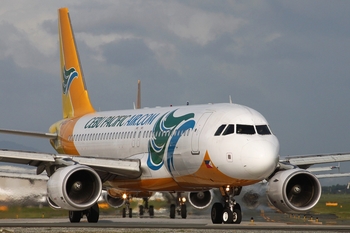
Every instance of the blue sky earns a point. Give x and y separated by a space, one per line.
286 59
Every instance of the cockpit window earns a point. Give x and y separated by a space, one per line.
263 129
219 130
230 129
245 129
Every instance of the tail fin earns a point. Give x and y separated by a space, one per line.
75 98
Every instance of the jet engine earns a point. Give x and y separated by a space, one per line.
116 198
114 202
201 199
74 188
294 190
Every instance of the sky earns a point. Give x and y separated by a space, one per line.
286 59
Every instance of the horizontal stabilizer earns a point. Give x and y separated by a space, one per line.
28 133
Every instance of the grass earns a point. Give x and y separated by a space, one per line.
342 210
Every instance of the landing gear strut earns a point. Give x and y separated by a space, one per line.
230 212
180 207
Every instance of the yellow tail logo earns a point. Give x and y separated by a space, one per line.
75 98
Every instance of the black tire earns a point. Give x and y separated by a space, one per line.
75 216
130 212
216 213
141 211
236 216
183 211
151 211
93 214
227 216
238 207
172 211
124 212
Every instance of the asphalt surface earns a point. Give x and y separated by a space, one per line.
112 224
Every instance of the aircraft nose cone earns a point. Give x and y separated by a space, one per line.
260 158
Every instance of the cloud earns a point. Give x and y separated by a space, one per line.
288 60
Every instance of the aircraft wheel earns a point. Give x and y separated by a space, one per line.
124 213
93 213
172 211
227 216
151 211
75 216
216 213
141 211
130 212
237 216
183 211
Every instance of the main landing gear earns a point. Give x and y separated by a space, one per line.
180 207
92 214
144 208
230 212
127 210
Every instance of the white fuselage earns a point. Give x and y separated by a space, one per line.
181 142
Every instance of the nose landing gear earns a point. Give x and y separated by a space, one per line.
230 212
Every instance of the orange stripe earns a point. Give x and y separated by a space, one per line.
204 177
64 129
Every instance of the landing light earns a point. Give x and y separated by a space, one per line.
227 188
183 199
124 196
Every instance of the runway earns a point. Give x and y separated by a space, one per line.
110 224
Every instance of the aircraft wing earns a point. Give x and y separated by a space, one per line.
305 161
29 176
333 175
127 168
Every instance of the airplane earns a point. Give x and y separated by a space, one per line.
176 149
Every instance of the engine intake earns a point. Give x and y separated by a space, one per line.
294 190
201 199
75 187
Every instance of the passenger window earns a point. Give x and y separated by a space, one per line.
263 129
219 130
229 130
245 129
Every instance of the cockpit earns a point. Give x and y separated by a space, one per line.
227 129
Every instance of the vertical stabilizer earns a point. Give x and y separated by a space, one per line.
75 98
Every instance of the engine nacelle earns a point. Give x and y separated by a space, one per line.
75 187
114 202
294 190
201 199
